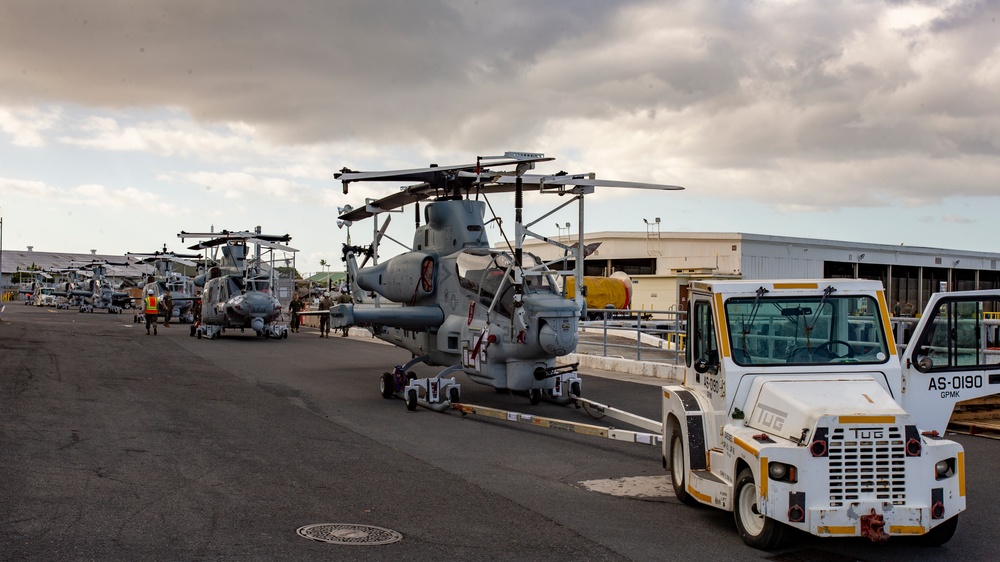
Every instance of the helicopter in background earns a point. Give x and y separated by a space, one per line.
166 280
40 291
495 315
238 291
98 292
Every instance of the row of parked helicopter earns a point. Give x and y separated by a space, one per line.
452 300
236 285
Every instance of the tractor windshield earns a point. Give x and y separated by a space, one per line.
806 330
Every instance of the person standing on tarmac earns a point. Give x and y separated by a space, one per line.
296 307
324 319
168 308
150 306
344 297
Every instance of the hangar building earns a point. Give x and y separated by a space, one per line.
661 263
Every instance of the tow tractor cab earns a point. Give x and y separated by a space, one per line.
796 410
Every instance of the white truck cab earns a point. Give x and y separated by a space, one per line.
796 409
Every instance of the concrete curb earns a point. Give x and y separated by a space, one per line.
665 371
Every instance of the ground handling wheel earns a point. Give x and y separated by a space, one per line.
386 386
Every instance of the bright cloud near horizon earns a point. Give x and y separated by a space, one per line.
124 122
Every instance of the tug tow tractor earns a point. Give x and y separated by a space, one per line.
797 411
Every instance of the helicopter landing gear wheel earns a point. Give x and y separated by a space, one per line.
198 335
677 477
454 396
535 396
755 529
385 385
411 399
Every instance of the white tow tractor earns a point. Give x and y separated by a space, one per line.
796 410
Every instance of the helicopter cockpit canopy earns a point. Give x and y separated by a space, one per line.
491 276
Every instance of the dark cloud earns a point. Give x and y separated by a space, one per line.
739 87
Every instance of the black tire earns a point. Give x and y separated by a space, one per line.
410 375
192 330
940 534
755 529
535 396
386 386
411 400
576 389
677 473
454 396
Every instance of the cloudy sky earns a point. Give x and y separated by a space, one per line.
123 122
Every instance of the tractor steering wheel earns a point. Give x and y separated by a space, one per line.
826 349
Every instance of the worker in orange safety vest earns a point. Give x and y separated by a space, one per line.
150 307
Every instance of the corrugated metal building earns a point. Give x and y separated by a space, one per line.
661 263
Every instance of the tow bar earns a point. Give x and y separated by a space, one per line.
579 428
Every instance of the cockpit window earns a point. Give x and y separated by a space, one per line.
490 276
259 284
235 285
806 330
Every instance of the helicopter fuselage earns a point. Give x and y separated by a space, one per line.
464 306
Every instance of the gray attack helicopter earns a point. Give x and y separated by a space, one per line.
456 302
98 292
165 279
238 291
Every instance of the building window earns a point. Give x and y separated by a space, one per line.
636 266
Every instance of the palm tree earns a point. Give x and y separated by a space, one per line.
323 264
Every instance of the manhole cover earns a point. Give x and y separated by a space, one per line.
347 533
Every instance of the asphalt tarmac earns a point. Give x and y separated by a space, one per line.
115 445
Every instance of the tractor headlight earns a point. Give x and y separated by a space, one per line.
944 469
781 472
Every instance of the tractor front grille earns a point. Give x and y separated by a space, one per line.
867 464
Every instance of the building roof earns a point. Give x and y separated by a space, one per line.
22 260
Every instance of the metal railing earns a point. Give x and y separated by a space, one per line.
659 334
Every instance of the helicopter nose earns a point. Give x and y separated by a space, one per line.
558 335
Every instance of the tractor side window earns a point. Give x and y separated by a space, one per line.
704 345
960 334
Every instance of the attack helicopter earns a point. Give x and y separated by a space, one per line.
166 280
458 303
238 290
98 291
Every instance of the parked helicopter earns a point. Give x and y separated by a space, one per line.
39 290
495 315
166 280
98 292
237 293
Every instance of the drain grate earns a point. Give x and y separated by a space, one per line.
348 533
